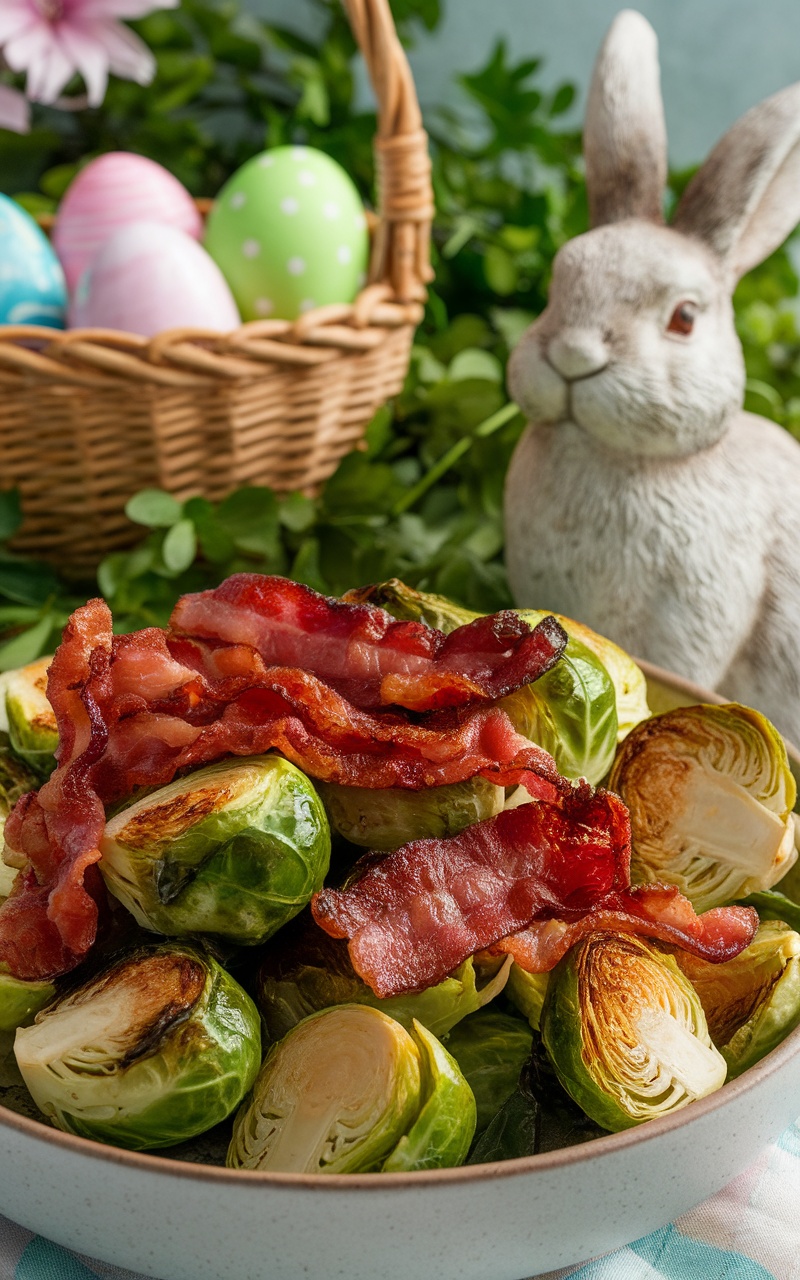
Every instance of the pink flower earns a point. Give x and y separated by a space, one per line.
14 110
52 39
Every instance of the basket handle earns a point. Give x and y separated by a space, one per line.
401 245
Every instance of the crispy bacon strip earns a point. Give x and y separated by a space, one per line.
654 911
419 912
363 652
133 710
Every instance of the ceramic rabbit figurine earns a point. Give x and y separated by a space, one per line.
642 499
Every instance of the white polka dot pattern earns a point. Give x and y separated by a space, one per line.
289 233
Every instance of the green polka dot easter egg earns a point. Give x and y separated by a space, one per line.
289 234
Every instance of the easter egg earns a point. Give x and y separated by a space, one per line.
147 278
111 192
289 232
32 287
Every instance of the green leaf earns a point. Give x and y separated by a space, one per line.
250 517
511 323
27 646
10 513
306 566
55 182
27 581
474 363
500 270
510 1134
562 99
298 513
154 508
180 546
17 615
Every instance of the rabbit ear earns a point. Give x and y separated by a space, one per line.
746 198
625 138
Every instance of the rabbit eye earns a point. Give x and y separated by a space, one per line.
683 318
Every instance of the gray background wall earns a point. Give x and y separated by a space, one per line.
718 57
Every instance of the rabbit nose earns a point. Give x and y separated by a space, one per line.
577 353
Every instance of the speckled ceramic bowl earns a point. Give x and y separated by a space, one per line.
183 1221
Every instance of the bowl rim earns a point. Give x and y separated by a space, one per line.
563 1157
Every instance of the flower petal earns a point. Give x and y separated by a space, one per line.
122 8
16 17
14 110
86 51
49 70
127 55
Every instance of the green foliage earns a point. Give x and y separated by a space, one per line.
424 500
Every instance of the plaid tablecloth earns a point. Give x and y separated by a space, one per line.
750 1231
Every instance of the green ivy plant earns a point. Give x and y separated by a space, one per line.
424 499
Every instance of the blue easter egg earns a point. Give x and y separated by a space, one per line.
32 285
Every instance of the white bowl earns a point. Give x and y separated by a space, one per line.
504 1221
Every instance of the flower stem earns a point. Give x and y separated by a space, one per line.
448 459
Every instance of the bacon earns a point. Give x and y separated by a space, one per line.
653 911
134 710
50 919
363 652
422 910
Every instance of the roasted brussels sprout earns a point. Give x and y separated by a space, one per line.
442 1133
31 720
405 603
161 1046
571 711
710 795
626 1033
16 777
386 819
304 971
349 1090
630 686
490 1048
233 850
752 1002
527 991
19 1000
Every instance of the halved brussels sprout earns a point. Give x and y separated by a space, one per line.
342 1091
20 1000
710 795
442 1133
32 724
752 1002
304 971
571 711
527 991
490 1048
626 1033
156 1049
233 850
385 819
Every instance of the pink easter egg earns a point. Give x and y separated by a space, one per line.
111 192
148 277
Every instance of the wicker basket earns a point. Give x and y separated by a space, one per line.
88 417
